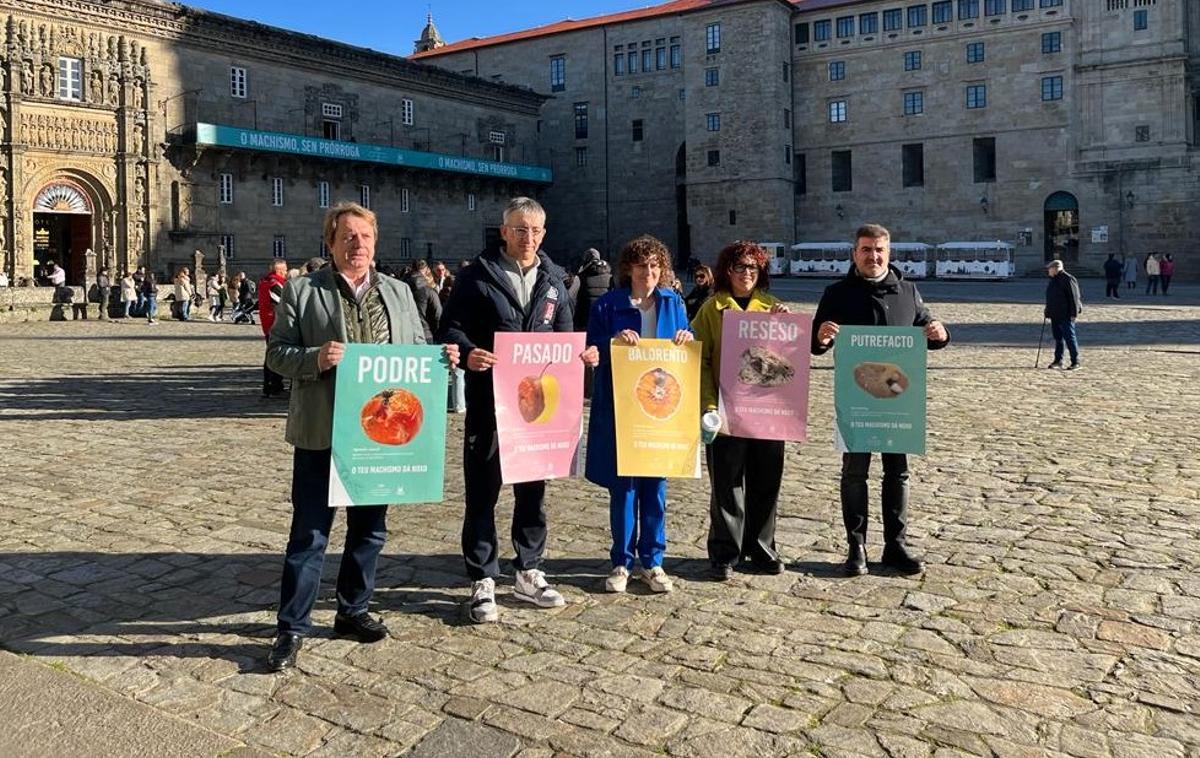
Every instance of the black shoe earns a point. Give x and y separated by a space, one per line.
283 652
1056 364
1074 366
856 561
361 626
772 566
897 558
721 572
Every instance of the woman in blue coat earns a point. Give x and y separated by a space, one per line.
638 308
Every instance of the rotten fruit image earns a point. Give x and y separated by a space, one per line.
882 380
537 397
763 367
392 417
658 392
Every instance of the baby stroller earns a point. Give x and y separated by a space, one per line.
243 312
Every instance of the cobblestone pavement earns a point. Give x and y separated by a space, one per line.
144 508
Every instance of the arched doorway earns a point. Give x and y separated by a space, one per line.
1062 227
62 229
683 231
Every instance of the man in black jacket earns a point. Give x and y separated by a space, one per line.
1113 269
875 293
429 303
595 279
513 289
1063 306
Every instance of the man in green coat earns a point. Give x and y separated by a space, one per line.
318 314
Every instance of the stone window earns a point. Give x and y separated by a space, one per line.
912 158
968 9
800 174
845 27
277 191
405 207
893 20
787 154
976 96
497 137
558 73
660 58
633 59
868 23
1052 88
364 195
647 59
943 12
787 118
984 159
732 217
822 30
912 60
635 92
837 111
70 79
676 53
406 247
225 189
471 202
1022 5
498 153
1052 42
331 129
1050 3
406 111
837 71
1141 133
918 15
712 38
581 120
712 122
228 242
619 64
638 130
331 110
975 52
1141 20
682 94
712 77
237 81
581 156
322 194
993 7
914 103
279 246
842 170
801 33
714 157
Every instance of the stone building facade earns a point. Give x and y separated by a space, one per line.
145 131
1065 127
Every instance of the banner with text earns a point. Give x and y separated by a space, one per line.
879 389
538 386
764 375
389 425
656 399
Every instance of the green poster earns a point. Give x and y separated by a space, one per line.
389 425
879 389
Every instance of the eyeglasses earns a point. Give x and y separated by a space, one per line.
744 268
528 231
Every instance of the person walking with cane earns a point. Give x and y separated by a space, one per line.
1063 306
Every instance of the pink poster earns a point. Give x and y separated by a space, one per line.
538 385
764 375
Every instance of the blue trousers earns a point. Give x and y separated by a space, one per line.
312 519
638 516
1064 331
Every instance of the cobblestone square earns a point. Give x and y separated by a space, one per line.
144 510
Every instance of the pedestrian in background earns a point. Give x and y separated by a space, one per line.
1063 306
595 279
1130 271
129 293
1112 276
1152 273
104 285
1166 270
270 293
429 305
150 296
702 288
183 293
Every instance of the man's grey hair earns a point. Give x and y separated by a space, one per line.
523 205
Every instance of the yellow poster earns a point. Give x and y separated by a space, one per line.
656 393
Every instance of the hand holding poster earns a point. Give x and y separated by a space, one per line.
656 399
764 375
879 389
389 425
538 386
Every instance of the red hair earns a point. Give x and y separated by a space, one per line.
734 252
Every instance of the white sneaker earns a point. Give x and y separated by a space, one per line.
657 579
483 602
532 587
617 579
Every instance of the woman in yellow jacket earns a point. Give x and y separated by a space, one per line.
744 473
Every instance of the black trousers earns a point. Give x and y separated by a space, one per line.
272 382
1112 288
312 518
481 479
855 496
745 476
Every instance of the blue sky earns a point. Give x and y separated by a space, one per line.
392 26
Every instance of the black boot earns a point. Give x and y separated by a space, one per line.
897 558
856 561
895 516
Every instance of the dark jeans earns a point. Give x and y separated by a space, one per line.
1112 288
1152 285
1064 331
1166 282
312 519
480 544
855 496
745 476
103 305
272 382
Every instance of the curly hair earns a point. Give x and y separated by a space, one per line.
734 252
644 249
